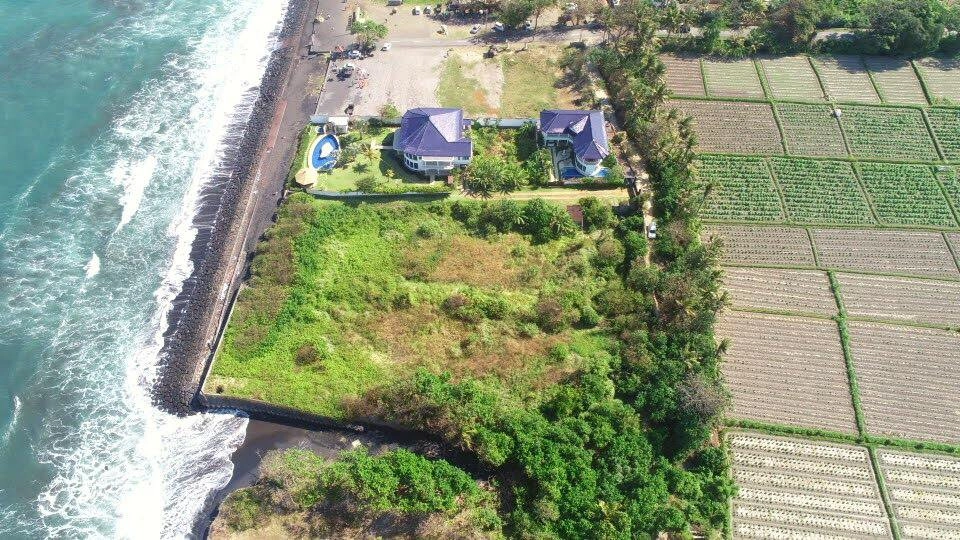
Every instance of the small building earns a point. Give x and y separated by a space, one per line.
433 141
579 141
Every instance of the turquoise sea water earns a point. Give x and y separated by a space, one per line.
112 112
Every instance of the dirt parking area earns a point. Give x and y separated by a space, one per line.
405 77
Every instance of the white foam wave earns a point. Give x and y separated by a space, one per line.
125 469
93 266
8 431
133 177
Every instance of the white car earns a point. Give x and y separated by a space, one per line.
498 26
354 54
386 47
416 10
474 29
652 230
528 25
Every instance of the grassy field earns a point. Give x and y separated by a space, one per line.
344 300
381 165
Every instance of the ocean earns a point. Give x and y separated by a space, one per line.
113 112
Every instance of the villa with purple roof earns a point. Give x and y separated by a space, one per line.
432 141
578 140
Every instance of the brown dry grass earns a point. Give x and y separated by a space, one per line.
477 262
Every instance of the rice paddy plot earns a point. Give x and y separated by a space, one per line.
908 379
780 290
905 253
792 488
845 78
821 191
733 127
792 77
888 133
683 76
924 491
942 76
904 194
786 370
945 124
811 130
741 189
751 245
732 78
901 299
896 80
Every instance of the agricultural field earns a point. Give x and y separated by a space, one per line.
911 300
684 76
908 380
954 239
741 189
910 253
786 370
791 488
887 133
734 127
792 77
945 124
846 79
818 191
749 245
896 80
924 491
904 194
732 78
780 290
811 130
942 77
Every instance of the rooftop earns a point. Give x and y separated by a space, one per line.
585 129
433 132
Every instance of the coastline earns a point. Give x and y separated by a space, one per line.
234 194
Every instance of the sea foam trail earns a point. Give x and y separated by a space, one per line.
121 468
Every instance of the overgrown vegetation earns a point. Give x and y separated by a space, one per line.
506 160
395 494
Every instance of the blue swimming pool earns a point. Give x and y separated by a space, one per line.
323 155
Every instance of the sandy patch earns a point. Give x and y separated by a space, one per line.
406 77
487 72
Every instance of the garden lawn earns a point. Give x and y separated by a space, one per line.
382 165
344 300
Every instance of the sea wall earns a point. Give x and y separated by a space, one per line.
185 345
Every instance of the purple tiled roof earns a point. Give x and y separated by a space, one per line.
433 132
585 129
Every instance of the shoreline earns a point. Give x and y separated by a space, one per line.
225 202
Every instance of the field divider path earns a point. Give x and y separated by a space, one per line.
858 174
884 494
816 71
923 82
848 354
703 78
776 184
933 135
953 251
873 80
813 247
950 204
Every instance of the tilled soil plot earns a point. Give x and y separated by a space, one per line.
901 299
797 291
911 253
787 370
791 488
908 380
762 246
925 492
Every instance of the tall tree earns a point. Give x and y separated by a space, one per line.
368 32
907 26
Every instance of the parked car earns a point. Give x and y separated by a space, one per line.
386 46
354 54
427 10
474 29
416 10
652 230
528 25
498 26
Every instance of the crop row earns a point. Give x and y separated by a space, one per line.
942 77
896 80
811 130
845 78
733 126
906 194
742 189
924 491
887 133
683 75
732 78
798 291
945 124
792 77
818 191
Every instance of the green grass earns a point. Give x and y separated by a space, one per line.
905 194
457 89
530 81
951 184
743 189
820 191
888 133
346 299
382 165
